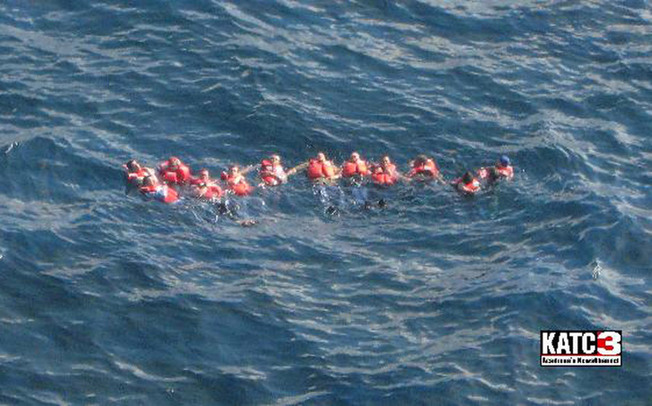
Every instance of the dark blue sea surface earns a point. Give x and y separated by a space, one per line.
434 299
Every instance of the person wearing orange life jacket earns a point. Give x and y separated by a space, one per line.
355 168
236 181
203 187
272 172
135 173
174 172
467 184
163 193
503 167
237 184
423 169
386 173
354 171
321 170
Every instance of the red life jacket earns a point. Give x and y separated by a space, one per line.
161 193
355 168
180 176
171 196
506 171
213 190
471 187
237 184
137 177
427 169
318 170
271 174
385 177
147 189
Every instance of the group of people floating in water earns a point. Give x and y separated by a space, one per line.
173 177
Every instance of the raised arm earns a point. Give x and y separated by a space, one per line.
401 176
297 168
247 169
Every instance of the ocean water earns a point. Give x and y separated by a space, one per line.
435 299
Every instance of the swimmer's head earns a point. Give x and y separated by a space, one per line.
355 157
467 178
385 161
174 162
204 174
234 169
420 159
133 166
321 157
503 161
276 159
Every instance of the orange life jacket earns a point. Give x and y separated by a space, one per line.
385 177
355 168
318 170
138 176
506 171
470 187
428 169
270 173
161 193
213 190
237 184
180 176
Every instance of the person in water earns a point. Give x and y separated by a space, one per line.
503 168
203 187
424 169
321 170
135 173
272 172
236 181
355 171
385 174
355 168
174 172
468 184
493 176
163 193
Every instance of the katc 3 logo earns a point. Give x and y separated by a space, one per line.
581 348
